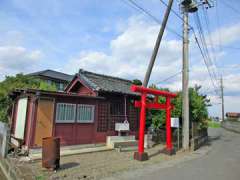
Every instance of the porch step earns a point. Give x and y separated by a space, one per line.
71 151
123 144
121 141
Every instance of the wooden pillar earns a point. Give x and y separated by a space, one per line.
125 108
168 125
141 155
169 147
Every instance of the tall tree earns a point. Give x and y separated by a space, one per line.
19 81
137 82
198 107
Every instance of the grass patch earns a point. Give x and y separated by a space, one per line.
213 124
41 177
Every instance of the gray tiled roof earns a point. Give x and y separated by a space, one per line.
100 82
53 74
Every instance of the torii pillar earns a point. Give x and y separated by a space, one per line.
141 155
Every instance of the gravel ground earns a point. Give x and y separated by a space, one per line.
2 177
98 165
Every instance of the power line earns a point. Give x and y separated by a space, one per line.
206 64
231 7
170 77
209 92
226 46
147 12
205 13
207 59
204 51
176 14
131 5
237 66
218 27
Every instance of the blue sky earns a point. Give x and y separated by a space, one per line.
113 38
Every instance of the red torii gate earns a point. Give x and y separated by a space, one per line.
141 155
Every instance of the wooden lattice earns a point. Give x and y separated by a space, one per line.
103 112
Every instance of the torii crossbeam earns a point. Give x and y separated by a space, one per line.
143 104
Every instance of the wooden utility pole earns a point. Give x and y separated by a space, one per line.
188 6
157 44
222 97
141 155
185 81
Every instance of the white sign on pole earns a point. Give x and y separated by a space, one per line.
175 122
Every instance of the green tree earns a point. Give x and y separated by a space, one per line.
197 108
19 81
158 116
137 82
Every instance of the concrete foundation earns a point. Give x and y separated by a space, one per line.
169 152
141 156
124 141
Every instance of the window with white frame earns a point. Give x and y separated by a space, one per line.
65 113
85 113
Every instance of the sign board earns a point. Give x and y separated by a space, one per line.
122 126
175 122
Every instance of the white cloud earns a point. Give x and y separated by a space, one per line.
14 59
232 84
130 51
227 35
92 60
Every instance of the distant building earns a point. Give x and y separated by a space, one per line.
233 115
58 79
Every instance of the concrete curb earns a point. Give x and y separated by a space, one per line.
38 156
229 129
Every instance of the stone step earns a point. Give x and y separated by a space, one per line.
122 144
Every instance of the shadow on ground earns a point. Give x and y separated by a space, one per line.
211 139
68 165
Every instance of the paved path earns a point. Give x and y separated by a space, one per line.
220 162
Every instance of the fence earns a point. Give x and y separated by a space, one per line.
198 137
4 138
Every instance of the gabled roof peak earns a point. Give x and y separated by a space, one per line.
105 83
82 71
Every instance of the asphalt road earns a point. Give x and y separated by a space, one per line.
220 162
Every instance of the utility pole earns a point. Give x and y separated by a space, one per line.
157 44
187 6
185 80
141 155
222 97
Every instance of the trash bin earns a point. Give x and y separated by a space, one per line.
51 153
